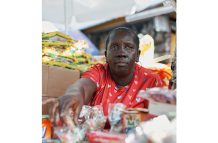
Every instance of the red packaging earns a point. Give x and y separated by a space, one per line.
105 137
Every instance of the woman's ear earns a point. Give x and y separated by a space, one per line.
105 54
137 57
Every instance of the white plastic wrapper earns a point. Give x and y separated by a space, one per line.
159 129
115 115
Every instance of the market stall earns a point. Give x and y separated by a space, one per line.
125 125
64 60
67 55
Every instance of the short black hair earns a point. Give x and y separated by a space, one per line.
136 39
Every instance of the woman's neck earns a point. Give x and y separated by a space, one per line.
122 80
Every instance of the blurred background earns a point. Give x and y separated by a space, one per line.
91 20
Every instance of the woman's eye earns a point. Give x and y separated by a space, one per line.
114 47
129 47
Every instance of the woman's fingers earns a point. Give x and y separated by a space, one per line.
49 100
76 114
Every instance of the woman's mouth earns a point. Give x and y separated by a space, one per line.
121 63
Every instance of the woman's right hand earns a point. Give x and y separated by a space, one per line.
66 107
70 105
63 108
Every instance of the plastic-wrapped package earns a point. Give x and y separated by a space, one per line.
67 135
70 133
159 94
157 130
115 116
161 100
160 129
97 112
61 50
85 114
96 119
137 134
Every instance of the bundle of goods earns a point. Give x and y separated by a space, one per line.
59 49
123 124
92 119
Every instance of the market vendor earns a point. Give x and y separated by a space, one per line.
117 81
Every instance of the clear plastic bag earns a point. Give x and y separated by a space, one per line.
67 135
115 116
159 95
94 119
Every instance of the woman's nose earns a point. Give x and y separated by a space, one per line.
122 48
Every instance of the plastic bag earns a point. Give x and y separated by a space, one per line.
115 116
137 134
159 95
95 119
67 135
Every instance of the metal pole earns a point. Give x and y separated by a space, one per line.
66 16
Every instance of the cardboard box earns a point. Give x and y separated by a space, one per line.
44 80
55 80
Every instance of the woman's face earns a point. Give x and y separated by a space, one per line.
122 53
